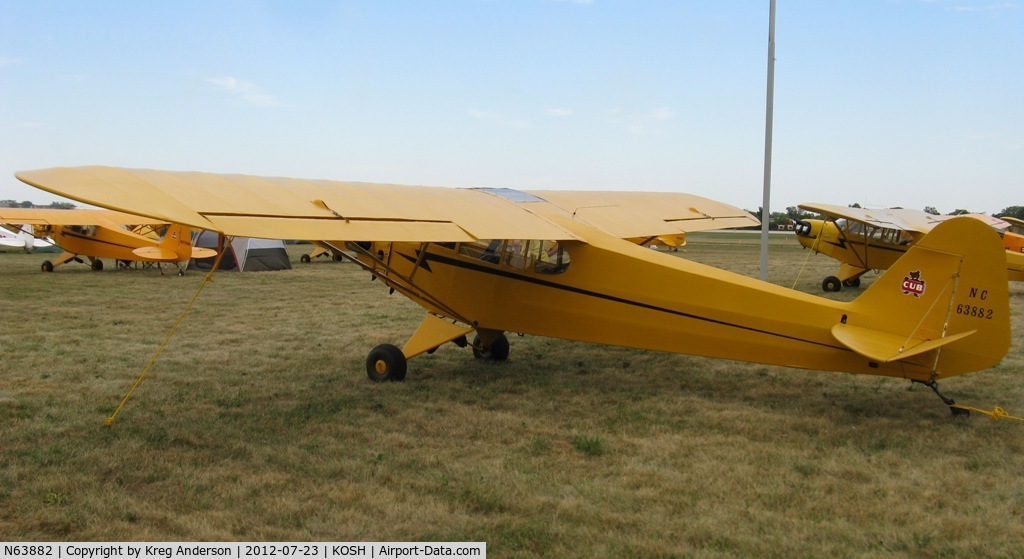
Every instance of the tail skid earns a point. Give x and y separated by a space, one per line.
944 304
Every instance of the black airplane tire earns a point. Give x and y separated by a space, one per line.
497 352
831 284
304 259
47 266
97 265
851 282
386 363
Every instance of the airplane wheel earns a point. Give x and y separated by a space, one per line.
497 352
337 257
852 282
47 266
386 363
97 265
831 284
304 259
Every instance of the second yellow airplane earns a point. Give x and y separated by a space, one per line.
97 234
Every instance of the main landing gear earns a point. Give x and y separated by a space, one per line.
388 363
832 284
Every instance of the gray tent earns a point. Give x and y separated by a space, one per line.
243 254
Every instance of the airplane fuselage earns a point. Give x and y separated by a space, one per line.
611 291
100 241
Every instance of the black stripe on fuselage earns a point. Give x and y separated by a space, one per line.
80 236
497 271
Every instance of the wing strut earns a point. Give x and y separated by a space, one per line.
386 273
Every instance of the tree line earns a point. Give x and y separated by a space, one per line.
27 204
794 213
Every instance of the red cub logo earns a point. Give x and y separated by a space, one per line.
913 284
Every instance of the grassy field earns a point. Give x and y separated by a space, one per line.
258 423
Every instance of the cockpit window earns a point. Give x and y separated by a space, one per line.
529 255
486 250
885 235
544 257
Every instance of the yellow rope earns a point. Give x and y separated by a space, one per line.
995 414
812 250
209 278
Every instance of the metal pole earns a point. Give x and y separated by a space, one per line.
769 118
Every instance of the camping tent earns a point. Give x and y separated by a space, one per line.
243 254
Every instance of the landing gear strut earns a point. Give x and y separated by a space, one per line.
388 363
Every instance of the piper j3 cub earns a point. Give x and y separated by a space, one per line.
863 240
572 265
97 234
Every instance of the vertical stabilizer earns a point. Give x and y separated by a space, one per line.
177 239
944 305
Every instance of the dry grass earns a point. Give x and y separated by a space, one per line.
258 423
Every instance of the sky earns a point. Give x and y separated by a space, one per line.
883 103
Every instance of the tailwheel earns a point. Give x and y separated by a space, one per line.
831 284
497 351
386 363
956 411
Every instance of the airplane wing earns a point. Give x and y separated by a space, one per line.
630 215
900 218
1013 221
285 208
999 224
903 219
40 216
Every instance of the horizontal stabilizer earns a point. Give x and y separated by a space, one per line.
884 347
200 252
167 255
155 253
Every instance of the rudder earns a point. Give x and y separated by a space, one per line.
943 305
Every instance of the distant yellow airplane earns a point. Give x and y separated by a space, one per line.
1013 239
863 240
571 265
98 234
322 249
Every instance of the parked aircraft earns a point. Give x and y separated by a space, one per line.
97 234
321 249
1013 240
561 264
863 240
24 238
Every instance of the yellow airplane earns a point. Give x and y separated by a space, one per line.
322 249
97 234
1013 239
568 265
863 240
